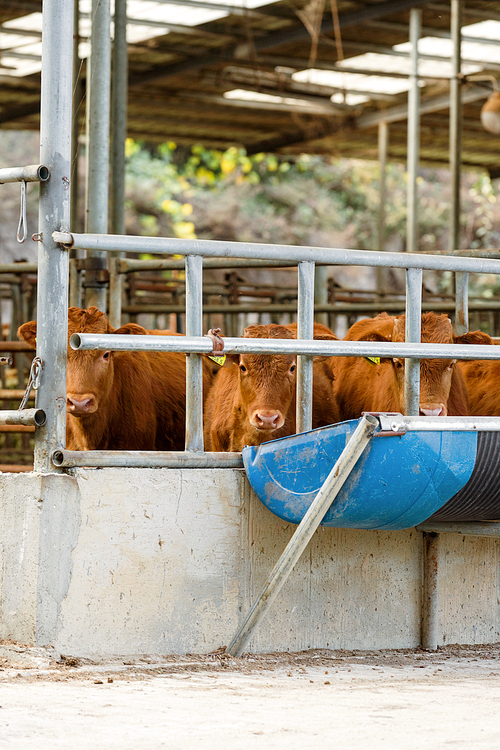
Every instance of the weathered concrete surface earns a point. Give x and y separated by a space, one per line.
126 561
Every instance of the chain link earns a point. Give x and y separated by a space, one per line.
33 380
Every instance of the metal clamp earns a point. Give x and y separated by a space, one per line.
33 380
22 229
390 423
6 361
218 342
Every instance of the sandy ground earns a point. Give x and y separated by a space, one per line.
315 699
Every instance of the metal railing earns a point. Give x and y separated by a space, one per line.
304 346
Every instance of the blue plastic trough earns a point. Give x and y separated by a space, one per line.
399 481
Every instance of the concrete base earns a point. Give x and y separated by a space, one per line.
128 561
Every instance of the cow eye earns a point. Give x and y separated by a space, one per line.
243 368
451 365
292 368
398 363
106 355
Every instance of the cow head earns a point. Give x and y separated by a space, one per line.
436 375
89 373
266 382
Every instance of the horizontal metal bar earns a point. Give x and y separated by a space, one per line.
148 459
204 345
399 423
35 417
222 249
31 173
23 267
127 265
472 528
339 308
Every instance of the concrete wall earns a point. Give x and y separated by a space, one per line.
127 561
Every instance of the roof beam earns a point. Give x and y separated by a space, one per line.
429 31
298 64
274 39
432 104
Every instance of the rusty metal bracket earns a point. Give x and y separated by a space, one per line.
218 342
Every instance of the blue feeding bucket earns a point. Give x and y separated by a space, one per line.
399 481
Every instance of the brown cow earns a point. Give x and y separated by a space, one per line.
482 378
253 398
363 386
122 400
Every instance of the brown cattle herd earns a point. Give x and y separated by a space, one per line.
136 400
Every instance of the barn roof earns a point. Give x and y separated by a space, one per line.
274 76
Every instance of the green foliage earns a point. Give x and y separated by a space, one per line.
200 192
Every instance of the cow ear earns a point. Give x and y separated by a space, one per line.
473 337
132 329
232 359
27 332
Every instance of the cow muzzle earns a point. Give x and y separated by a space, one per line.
267 420
433 410
80 404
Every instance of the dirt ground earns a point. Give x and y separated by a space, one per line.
314 699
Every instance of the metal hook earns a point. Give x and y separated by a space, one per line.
22 227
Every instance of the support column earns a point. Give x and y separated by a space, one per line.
119 82
54 215
456 141
413 133
98 117
383 143
430 613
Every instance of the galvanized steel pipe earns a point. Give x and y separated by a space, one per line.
472 528
413 320
147 459
194 363
294 253
413 134
54 215
305 328
203 345
31 173
98 122
34 417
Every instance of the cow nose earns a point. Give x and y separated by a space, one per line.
433 410
80 404
267 421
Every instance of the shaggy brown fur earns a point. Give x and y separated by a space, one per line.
122 400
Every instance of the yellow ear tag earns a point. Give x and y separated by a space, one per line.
219 360
373 360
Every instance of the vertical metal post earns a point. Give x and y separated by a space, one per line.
383 143
461 302
413 324
299 541
413 133
455 128
305 330
54 215
77 101
430 609
119 134
98 105
194 362
321 292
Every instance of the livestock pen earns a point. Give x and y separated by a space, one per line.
119 553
